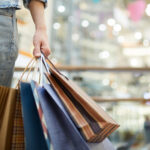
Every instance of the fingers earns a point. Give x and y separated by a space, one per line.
40 42
45 49
36 51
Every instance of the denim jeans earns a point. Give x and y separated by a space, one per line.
8 45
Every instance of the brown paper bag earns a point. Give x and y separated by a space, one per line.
9 115
8 98
92 121
11 121
18 142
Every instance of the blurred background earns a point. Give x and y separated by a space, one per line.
104 46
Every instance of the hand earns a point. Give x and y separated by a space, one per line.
40 42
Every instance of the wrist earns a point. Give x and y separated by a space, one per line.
41 28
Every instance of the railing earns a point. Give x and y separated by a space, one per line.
102 69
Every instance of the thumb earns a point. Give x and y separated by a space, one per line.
36 51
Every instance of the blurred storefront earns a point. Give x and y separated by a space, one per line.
104 46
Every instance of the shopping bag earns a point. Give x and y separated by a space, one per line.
11 122
104 145
18 142
8 98
34 123
63 133
41 115
18 139
91 120
10 138
35 139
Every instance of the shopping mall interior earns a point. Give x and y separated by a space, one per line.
104 47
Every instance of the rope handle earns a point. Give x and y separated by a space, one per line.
31 62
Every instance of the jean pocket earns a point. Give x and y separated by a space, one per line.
6 12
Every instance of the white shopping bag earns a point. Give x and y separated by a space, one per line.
105 145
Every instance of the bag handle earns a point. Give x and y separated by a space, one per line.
30 64
49 68
42 69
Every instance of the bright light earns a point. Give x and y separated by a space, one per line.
121 39
134 62
147 10
117 27
146 95
138 35
102 27
104 55
85 23
111 22
146 43
61 8
56 26
106 82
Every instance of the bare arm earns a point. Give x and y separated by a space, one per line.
40 39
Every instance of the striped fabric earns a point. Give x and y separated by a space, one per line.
38 105
8 102
93 122
18 129
4 94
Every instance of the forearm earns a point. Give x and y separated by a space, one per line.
40 39
37 12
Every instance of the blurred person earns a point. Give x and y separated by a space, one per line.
8 34
147 129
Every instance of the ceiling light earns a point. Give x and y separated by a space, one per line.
138 35
102 27
61 8
111 22
85 23
117 27
104 55
146 95
56 26
134 62
105 82
147 10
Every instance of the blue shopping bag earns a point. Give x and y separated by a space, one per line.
34 137
104 145
62 131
